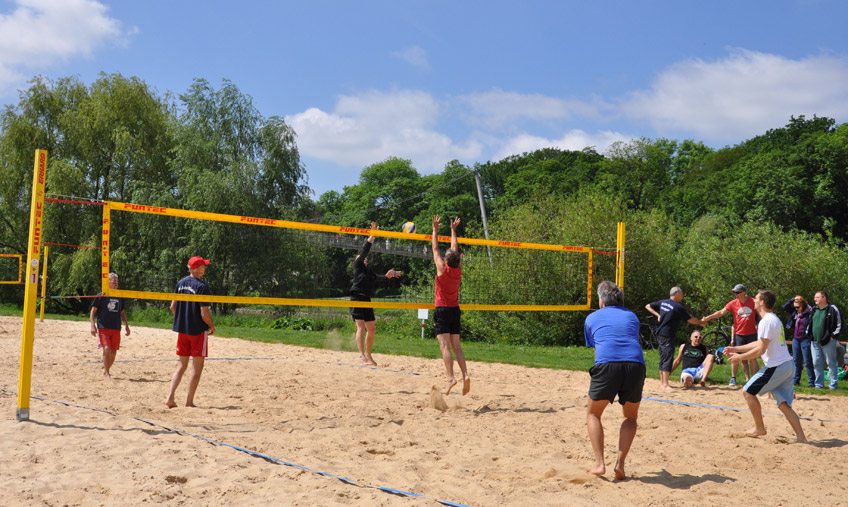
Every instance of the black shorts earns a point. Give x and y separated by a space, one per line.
624 379
446 320
666 346
743 339
366 314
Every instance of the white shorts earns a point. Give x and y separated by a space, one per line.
696 373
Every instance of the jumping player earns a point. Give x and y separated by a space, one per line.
446 317
362 289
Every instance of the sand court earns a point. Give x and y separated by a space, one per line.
298 426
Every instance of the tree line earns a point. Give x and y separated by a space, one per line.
767 212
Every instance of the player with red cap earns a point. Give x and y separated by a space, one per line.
193 324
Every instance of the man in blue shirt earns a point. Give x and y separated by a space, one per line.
619 369
193 324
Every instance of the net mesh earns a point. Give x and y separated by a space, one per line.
267 259
10 268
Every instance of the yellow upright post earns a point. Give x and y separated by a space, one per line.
619 254
104 251
44 283
36 226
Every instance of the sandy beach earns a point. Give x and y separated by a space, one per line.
284 425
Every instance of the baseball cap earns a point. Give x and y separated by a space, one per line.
197 261
736 289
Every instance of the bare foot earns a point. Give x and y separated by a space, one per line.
451 383
371 362
667 387
192 405
466 385
754 433
598 470
106 376
170 404
619 471
703 383
364 360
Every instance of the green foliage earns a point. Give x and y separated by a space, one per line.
293 323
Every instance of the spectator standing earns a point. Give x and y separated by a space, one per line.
796 326
823 327
744 328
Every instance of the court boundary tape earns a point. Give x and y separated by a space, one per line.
249 452
738 409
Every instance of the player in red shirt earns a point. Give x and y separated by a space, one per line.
447 314
744 328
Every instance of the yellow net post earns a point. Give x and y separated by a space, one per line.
104 250
619 255
36 226
43 283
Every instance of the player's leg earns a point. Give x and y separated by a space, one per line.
370 331
626 434
460 359
757 412
445 346
175 380
794 421
197 363
594 411
360 339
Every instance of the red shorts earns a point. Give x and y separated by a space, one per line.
110 338
194 345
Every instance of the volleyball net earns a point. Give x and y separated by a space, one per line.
281 262
11 268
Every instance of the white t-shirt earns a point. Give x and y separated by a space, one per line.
777 353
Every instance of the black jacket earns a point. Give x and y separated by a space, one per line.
832 323
363 278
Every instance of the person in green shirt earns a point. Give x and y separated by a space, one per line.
823 328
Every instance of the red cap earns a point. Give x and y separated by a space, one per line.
197 261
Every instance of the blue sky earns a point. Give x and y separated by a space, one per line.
433 81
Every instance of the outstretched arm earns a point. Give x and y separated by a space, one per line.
454 242
374 227
437 258
720 313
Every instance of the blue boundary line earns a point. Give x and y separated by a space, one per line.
253 453
737 409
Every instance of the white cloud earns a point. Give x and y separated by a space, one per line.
371 127
497 108
742 95
415 56
38 33
573 140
